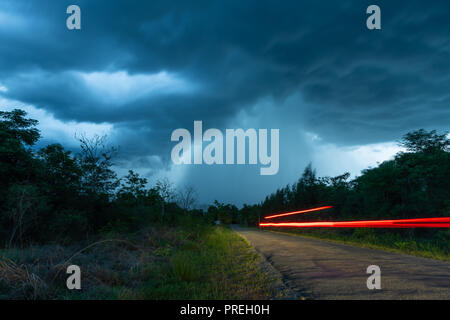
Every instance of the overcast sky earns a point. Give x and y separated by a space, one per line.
340 94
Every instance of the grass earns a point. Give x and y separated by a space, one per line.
155 263
437 247
221 266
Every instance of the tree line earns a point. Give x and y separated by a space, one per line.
51 194
415 183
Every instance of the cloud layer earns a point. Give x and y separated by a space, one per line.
310 68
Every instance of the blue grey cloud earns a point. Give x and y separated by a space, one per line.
221 58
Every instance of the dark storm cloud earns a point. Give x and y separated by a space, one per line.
239 52
357 86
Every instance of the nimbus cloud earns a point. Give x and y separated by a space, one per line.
235 147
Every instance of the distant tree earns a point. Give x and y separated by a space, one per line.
308 191
96 162
133 186
340 180
225 213
425 141
187 197
24 202
249 215
309 176
61 176
166 192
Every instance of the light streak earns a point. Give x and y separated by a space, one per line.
398 223
297 212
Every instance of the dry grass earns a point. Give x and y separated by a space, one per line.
110 268
40 272
21 280
154 264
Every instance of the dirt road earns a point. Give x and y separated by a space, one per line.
318 269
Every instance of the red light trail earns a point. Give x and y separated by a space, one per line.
297 212
399 223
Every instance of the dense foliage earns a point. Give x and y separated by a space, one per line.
52 194
413 184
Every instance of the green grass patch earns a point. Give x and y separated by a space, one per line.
219 266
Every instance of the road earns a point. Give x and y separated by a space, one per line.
318 269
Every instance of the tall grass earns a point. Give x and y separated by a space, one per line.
184 266
217 265
154 263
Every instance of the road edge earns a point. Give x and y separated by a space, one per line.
281 291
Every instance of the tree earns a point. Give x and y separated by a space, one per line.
16 161
23 204
309 176
307 191
95 160
61 172
166 192
133 186
249 215
187 197
14 126
425 141
225 213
